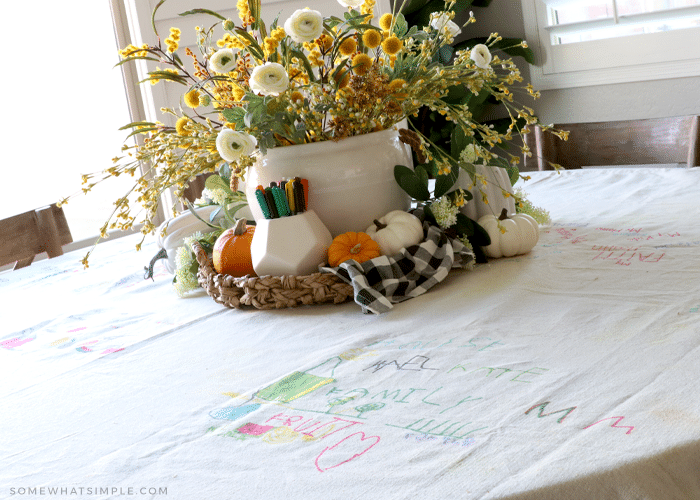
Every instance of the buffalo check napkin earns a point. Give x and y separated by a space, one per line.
386 280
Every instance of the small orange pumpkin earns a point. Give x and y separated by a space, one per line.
352 246
231 253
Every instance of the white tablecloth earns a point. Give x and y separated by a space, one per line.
569 372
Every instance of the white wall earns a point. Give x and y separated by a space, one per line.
624 101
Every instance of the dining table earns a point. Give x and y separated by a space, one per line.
568 372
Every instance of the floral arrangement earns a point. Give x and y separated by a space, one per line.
253 87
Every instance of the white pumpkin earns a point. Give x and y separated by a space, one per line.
396 230
179 228
497 179
520 236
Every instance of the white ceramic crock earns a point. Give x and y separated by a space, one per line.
351 181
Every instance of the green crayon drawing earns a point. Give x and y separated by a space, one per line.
293 386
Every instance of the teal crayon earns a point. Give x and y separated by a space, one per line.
260 196
280 202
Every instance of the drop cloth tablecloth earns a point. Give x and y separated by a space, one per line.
569 372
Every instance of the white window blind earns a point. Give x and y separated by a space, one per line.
570 21
594 42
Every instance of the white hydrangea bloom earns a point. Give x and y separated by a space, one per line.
218 196
469 154
445 212
185 277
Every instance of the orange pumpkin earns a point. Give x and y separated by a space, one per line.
352 245
231 253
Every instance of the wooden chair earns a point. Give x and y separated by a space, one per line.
657 141
196 186
26 235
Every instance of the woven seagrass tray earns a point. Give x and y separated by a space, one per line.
269 292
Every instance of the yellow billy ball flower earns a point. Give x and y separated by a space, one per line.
192 98
385 21
371 39
392 45
296 96
361 64
348 46
396 87
397 84
180 126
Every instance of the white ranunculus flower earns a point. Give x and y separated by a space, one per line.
481 56
232 144
269 79
351 3
444 25
305 25
223 61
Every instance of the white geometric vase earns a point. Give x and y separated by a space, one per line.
295 245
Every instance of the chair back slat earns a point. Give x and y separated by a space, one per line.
674 140
24 236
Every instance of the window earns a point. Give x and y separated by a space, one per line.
64 103
582 21
588 42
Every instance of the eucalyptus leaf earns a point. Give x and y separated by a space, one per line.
445 54
477 234
464 225
513 174
443 183
415 183
400 25
234 115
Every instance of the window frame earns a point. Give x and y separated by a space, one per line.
652 56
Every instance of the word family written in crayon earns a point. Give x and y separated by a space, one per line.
433 398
